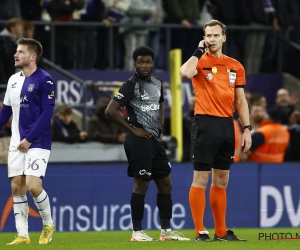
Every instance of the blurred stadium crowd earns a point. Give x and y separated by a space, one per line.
261 26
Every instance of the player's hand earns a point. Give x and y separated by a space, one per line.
246 140
121 137
160 139
186 23
83 135
294 98
106 22
140 132
24 146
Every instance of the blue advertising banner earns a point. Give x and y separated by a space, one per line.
107 82
96 197
88 197
280 195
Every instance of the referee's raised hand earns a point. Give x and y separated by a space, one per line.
203 45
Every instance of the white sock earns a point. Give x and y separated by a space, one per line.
43 204
166 230
21 215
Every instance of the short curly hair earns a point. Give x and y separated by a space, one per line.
142 51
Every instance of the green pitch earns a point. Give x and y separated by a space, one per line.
120 240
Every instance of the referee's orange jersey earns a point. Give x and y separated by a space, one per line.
215 84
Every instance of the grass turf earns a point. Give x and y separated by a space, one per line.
120 240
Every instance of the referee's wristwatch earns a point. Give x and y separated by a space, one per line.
248 127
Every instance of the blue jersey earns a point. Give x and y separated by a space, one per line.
32 101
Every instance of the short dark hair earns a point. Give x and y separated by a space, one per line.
215 22
33 45
142 51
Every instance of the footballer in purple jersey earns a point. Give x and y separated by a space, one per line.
30 100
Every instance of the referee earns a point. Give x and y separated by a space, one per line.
218 83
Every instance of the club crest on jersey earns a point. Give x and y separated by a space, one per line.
30 87
209 76
232 77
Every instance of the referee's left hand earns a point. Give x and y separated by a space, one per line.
24 146
246 140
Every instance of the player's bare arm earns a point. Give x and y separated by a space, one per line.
188 69
112 112
243 111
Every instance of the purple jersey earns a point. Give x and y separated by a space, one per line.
32 101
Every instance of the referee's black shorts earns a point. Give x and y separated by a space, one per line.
147 158
213 142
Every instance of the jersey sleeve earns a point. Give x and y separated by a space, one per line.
47 91
240 76
125 93
161 99
198 67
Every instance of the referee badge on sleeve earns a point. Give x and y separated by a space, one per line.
232 77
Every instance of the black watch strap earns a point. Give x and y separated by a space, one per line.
248 127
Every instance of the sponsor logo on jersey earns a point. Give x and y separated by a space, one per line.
14 85
50 94
24 98
30 87
152 107
22 101
119 95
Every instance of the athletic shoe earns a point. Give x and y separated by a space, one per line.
141 236
203 237
230 236
172 235
46 235
19 240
